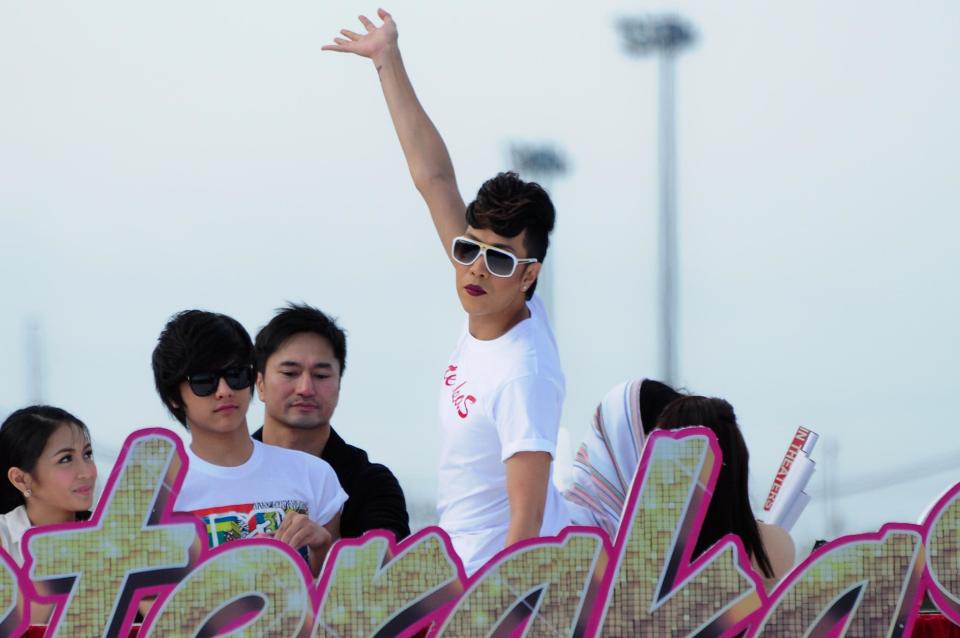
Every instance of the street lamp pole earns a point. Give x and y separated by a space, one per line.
666 36
34 341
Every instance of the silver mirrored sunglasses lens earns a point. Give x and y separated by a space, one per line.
499 263
465 252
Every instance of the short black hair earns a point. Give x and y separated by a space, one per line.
196 341
507 205
654 397
297 319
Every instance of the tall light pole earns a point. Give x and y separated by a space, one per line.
34 334
542 163
666 36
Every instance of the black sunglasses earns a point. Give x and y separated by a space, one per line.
203 384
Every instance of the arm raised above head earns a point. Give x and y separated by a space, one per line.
426 154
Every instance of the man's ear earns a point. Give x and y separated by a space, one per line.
530 276
259 384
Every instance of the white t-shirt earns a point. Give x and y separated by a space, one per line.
498 397
13 525
236 502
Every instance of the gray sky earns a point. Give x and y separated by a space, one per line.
157 156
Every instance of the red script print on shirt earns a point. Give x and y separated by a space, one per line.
461 400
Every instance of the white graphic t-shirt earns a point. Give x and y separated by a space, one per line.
498 397
237 502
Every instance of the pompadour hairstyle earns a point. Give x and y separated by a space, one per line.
507 205
196 341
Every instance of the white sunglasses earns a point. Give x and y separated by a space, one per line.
499 262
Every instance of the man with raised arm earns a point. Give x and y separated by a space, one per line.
502 389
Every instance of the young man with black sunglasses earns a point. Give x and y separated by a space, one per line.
502 389
203 370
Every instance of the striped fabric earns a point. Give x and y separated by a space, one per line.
607 460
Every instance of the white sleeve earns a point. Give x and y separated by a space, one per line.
329 497
6 542
526 412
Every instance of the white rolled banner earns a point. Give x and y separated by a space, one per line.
787 499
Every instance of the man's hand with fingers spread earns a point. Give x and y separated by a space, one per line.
426 154
373 44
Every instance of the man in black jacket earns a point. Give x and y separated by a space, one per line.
300 359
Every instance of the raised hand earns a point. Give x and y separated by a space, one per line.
427 156
372 44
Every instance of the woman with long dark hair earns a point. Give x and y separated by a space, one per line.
769 546
606 462
47 473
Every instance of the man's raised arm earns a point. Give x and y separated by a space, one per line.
426 154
